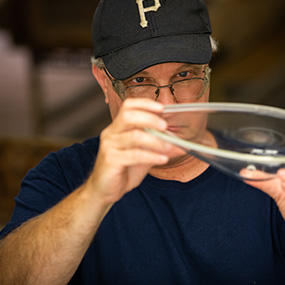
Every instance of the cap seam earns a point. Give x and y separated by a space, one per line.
204 21
102 4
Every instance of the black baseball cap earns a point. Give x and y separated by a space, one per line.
132 35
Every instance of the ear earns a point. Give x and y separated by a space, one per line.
100 76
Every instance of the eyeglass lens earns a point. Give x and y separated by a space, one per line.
182 90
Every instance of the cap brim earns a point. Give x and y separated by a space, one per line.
192 48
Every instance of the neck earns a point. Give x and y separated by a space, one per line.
183 169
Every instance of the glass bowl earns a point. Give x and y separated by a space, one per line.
232 137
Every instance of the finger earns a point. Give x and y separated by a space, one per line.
268 183
130 119
135 157
142 113
257 175
281 175
139 139
118 160
143 104
134 120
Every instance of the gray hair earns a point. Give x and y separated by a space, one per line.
100 63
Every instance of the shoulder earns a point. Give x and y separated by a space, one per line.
78 152
56 176
88 148
70 164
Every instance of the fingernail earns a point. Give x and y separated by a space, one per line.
162 125
163 158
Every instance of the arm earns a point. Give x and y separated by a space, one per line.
48 249
275 187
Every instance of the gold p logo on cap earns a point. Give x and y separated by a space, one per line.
143 10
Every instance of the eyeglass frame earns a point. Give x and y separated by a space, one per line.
119 87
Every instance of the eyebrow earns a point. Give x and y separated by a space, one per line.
196 67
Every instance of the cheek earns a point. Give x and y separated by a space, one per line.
114 103
205 97
112 99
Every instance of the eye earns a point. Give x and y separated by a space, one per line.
183 74
189 72
138 80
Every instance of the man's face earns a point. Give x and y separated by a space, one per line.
160 75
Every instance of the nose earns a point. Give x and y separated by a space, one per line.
165 96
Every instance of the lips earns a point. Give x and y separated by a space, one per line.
174 129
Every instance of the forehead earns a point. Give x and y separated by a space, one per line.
169 67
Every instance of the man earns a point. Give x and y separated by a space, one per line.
132 209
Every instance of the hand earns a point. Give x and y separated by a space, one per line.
126 151
275 187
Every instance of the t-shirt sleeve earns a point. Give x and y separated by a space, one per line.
52 180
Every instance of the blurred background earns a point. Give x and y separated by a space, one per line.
49 98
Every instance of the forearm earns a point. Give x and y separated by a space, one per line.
49 248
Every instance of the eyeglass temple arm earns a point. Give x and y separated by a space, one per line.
114 81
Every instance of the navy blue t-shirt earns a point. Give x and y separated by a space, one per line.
211 230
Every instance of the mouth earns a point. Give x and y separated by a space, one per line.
175 129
